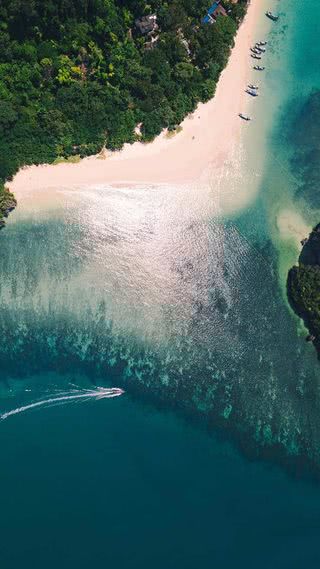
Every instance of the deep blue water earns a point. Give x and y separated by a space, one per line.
117 484
186 312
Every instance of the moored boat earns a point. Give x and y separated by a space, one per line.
254 87
272 16
259 68
255 56
252 92
244 117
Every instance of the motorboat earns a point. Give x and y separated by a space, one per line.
259 68
255 56
253 87
272 16
252 93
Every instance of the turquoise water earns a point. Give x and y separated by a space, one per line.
208 457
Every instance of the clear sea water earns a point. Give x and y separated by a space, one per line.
211 458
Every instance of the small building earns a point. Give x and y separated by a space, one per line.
151 44
147 24
214 11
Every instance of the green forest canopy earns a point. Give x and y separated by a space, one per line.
75 75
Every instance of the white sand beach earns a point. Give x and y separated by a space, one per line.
207 142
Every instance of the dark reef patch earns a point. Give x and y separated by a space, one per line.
304 137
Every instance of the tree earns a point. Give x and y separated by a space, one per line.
75 75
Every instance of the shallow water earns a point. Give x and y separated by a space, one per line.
150 289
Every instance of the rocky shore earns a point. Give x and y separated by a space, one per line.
7 203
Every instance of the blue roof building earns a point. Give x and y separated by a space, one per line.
213 12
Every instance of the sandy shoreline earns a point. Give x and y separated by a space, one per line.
208 139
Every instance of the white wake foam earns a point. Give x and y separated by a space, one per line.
99 393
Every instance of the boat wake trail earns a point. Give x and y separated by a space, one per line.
99 393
